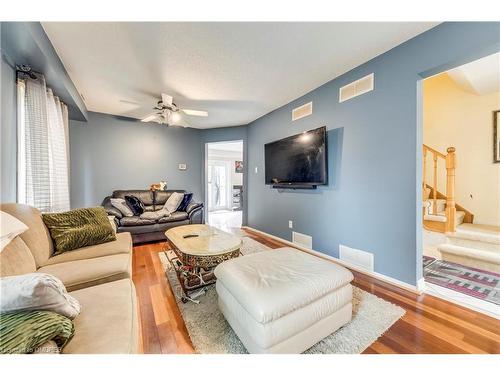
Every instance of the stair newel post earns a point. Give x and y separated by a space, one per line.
450 189
424 183
434 187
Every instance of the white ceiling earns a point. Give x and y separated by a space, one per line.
480 77
235 71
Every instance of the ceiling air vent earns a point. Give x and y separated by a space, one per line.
356 88
302 111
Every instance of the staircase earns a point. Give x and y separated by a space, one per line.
469 244
435 219
473 245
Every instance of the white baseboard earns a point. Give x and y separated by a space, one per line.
483 307
419 289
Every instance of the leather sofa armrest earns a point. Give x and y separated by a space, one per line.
110 209
195 213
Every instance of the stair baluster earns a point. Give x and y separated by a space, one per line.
434 185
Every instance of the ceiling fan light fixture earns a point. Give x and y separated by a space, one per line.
176 117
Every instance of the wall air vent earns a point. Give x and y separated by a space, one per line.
302 240
356 88
356 257
302 111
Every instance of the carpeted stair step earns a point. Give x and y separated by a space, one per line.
478 232
453 239
472 257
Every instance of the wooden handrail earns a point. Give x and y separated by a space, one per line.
450 161
441 155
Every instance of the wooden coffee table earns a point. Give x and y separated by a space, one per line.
198 249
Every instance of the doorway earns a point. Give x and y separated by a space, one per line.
460 184
224 184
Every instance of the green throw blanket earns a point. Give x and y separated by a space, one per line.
24 332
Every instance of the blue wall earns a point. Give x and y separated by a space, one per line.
8 135
109 153
374 145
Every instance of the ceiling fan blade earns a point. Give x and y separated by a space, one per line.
193 112
154 117
166 99
180 122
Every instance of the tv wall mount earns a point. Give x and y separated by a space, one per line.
293 186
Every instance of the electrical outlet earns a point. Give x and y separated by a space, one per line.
290 224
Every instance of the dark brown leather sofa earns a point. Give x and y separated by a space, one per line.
144 230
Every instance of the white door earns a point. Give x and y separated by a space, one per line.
219 189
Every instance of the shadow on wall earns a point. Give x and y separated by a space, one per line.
335 139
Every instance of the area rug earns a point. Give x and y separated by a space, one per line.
211 334
484 285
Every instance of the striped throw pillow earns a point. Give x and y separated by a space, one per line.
78 228
24 332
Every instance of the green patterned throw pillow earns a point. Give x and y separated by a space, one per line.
78 228
24 332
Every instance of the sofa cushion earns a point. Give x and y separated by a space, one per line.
161 196
146 196
16 259
157 227
262 282
135 220
78 228
135 204
37 237
80 274
122 245
108 322
175 216
122 206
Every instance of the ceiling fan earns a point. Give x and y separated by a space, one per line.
168 113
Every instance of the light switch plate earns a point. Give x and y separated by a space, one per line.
182 167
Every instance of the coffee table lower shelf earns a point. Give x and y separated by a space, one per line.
195 272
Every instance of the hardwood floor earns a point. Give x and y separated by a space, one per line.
430 325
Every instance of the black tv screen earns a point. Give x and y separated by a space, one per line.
300 159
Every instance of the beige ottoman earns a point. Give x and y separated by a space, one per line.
283 300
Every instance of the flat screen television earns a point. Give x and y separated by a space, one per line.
299 161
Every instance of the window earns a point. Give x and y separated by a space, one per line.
43 149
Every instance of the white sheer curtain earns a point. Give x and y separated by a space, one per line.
43 161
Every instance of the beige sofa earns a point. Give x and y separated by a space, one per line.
100 277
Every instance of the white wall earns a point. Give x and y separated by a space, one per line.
236 178
464 120
229 157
